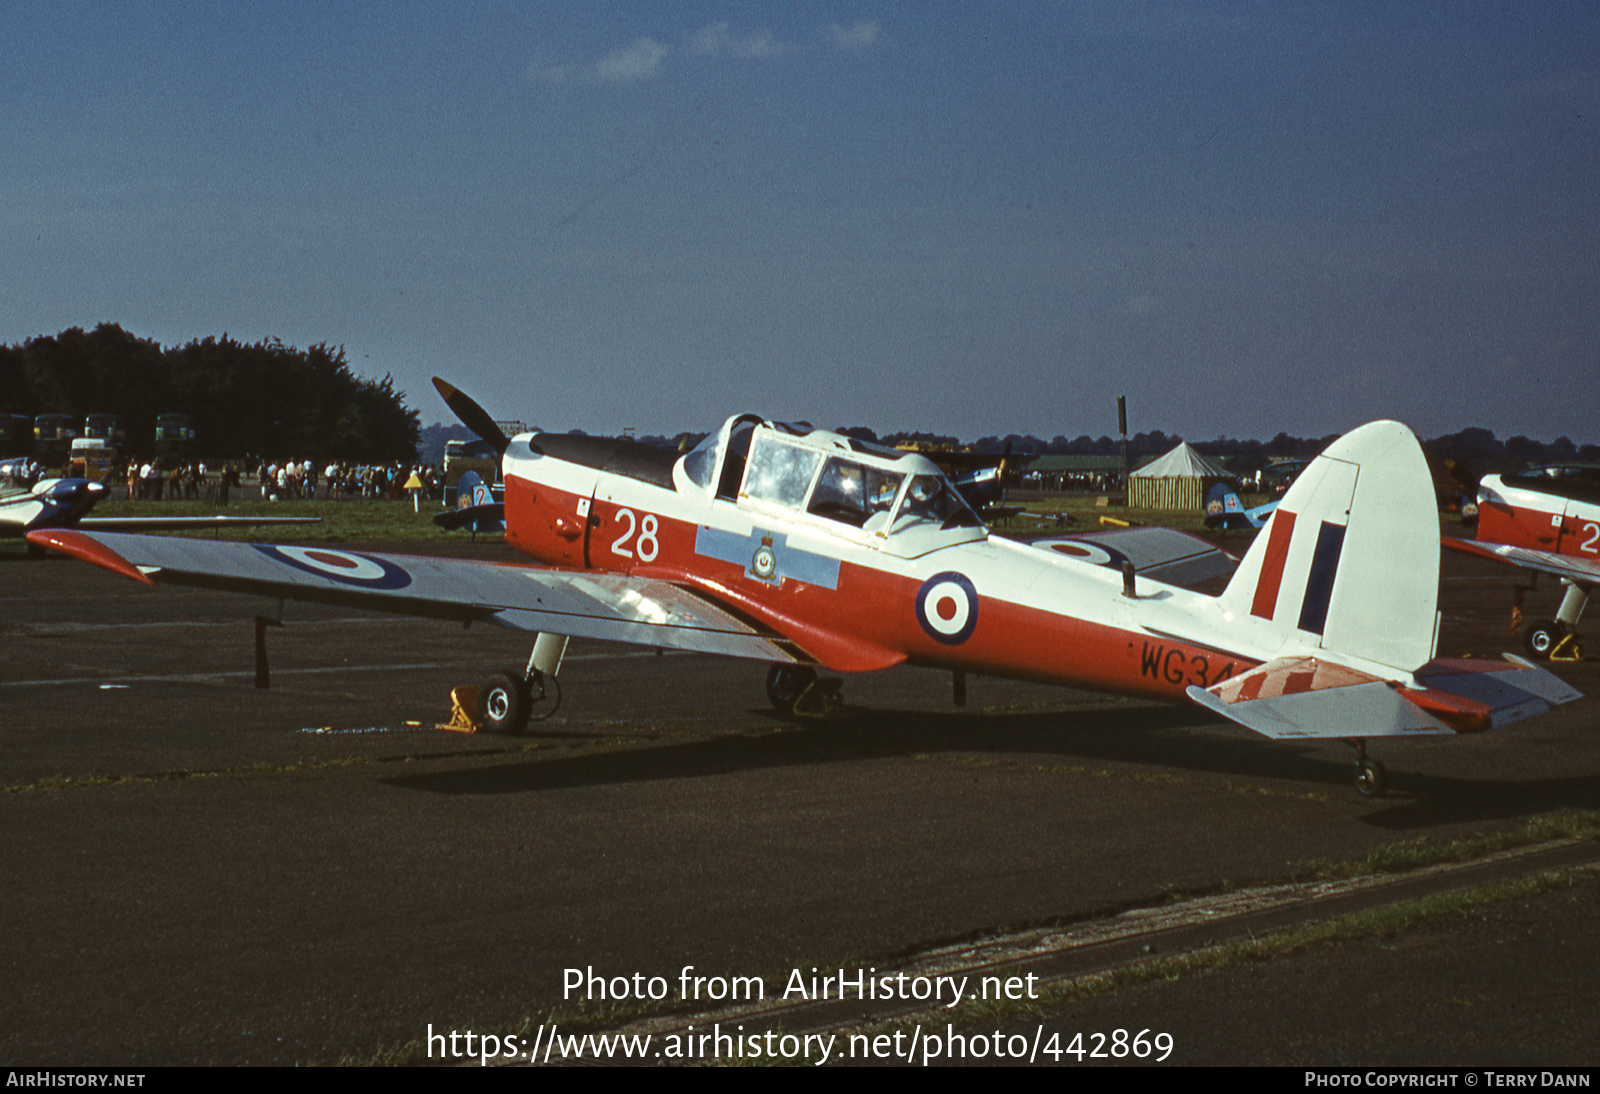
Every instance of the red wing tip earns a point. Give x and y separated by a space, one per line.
65 541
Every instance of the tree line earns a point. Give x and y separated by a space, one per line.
243 400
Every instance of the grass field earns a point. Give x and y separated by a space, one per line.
342 521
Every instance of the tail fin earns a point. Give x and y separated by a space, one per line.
1349 562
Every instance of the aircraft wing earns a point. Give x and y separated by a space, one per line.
1161 554
1309 697
610 607
1582 570
182 524
478 517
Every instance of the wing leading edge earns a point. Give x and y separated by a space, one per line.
1581 570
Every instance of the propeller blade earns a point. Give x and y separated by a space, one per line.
473 416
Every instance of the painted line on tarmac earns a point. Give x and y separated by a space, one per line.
209 677
75 628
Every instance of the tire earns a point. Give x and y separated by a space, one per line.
786 683
504 703
1541 638
1372 779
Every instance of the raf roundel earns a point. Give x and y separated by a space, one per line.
363 571
1084 551
947 608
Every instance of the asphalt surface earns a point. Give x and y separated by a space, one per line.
201 872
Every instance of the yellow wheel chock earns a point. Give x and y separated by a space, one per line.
463 711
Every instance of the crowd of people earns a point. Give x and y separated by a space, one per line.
193 480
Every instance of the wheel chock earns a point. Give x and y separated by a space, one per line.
463 711
820 699
1567 649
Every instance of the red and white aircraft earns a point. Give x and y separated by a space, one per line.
810 550
1545 519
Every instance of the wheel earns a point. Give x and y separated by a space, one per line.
786 683
504 702
1372 778
1540 638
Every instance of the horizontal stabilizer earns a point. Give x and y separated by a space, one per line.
1305 697
1496 693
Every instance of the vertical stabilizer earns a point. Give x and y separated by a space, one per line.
1349 562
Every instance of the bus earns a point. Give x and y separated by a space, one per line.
52 439
174 438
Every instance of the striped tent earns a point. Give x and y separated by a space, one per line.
1178 480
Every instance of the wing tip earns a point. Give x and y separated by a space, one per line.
79 545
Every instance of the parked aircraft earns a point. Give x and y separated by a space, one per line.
810 550
1225 510
477 509
65 503
1545 519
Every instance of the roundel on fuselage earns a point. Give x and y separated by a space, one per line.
947 608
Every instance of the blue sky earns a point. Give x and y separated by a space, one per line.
967 218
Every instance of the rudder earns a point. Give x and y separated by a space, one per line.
1349 562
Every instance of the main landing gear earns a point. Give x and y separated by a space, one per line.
509 700
797 690
1557 639
1372 778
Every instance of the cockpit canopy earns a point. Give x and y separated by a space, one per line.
840 482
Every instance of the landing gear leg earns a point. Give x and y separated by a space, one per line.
1372 778
510 699
1557 639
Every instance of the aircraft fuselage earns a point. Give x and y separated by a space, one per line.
931 587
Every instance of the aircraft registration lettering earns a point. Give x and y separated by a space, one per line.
1177 665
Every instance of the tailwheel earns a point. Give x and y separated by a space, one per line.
786 683
1541 639
1372 778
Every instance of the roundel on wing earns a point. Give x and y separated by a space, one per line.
1085 551
345 567
947 608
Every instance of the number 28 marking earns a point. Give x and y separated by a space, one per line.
647 545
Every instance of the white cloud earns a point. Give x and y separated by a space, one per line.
854 38
637 62
718 38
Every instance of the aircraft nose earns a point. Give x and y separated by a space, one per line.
74 489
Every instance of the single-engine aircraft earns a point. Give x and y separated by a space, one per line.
65 503
810 550
1544 519
1225 510
477 509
